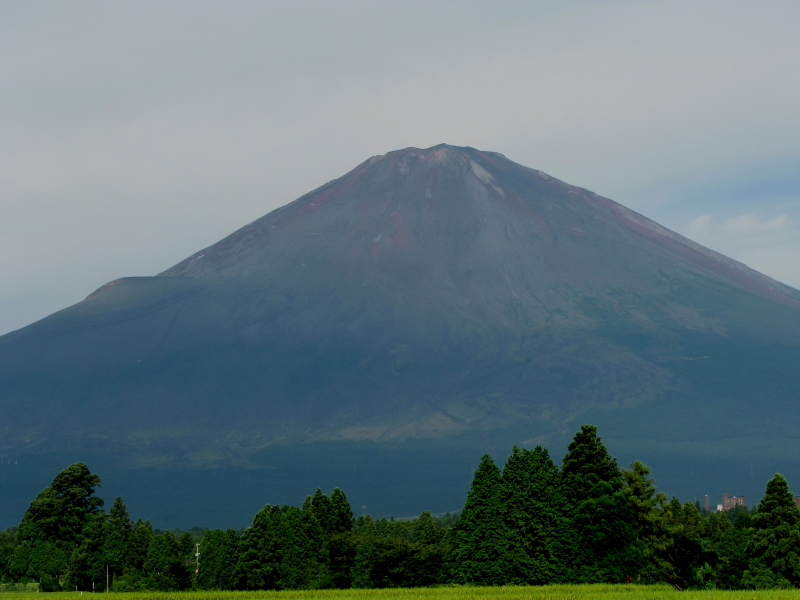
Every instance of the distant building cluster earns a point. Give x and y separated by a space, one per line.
729 502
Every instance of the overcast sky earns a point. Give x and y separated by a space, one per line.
136 133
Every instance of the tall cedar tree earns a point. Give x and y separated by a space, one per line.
304 555
86 569
774 549
342 549
531 508
478 537
53 526
640 490
219 553
116 545
321 507
424 562
140 540
361 571
730 548
259 551
333 513
283 549
600 542
227 574
342 513
187 547
164 566
680 552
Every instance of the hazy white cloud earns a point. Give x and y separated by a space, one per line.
768 244
136 133
753 224
698 228
748 226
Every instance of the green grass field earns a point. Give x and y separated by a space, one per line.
556 592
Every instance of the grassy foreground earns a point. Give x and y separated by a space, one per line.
554 592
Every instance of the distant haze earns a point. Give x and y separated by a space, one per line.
135 134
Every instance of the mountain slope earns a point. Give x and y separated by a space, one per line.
446 294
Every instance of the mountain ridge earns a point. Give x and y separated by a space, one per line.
737 272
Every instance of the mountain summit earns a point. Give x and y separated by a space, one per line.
461 214
442 298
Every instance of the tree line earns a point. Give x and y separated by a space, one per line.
533 522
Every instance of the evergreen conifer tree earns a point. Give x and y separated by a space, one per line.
86 568
211 554
140 539
321 507
259 551
587 463
163 566
478 537
218 557
302 550
774 548
341 512
640 490
422 565
360 573
230 557
116 544
283 549
680 551
425 530
600 543
531 507
186 545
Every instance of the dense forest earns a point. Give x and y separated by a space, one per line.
532 522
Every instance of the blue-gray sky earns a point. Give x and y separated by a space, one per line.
135 133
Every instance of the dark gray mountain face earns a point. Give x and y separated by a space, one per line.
443 299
